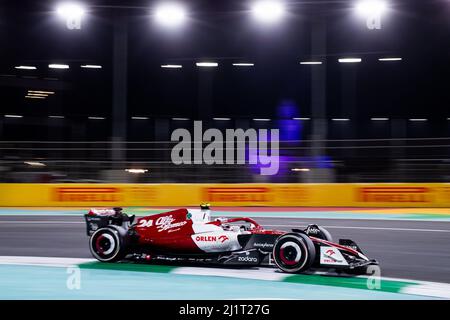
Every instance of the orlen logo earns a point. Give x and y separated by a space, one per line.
331 256
244 194
221 238
87 194
394 194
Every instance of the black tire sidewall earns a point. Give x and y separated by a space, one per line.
117 254
306 246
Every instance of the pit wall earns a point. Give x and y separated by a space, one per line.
430 195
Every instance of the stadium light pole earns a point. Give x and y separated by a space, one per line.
319 121
120 86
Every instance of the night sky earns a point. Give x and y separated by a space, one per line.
417 87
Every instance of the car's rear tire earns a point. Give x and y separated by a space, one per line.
294 252
107 245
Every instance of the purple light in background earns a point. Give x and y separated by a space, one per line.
253 156
289 129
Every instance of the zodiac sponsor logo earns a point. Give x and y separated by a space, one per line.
247 259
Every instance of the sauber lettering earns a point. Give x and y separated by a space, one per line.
88 194
243 194
394 194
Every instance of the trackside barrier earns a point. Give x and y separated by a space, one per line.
429 195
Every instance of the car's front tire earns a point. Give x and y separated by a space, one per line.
294 252
107 245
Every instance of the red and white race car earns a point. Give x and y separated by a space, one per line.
191 236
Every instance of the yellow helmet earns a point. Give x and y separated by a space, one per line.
204 206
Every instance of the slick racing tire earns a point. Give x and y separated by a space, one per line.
294 252
107 245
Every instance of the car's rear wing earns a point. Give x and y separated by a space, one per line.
95 222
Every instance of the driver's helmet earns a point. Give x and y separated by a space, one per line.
205 209
118 211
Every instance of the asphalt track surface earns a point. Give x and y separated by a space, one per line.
415 250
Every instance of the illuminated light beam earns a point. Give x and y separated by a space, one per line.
243 64
372 11
58 66
379 119
35 97
300 169
40 92
56 117
350 60
136 170
222 119
72 13
390 59
25 67
262 119
171 66
91 66
418 119
310 62
37 94
70 10
371 7
139 118
340 119
96 118
207 64
180 119
35 163
170 14
13 116
301 119
268 11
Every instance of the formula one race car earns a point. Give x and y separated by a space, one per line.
191 236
